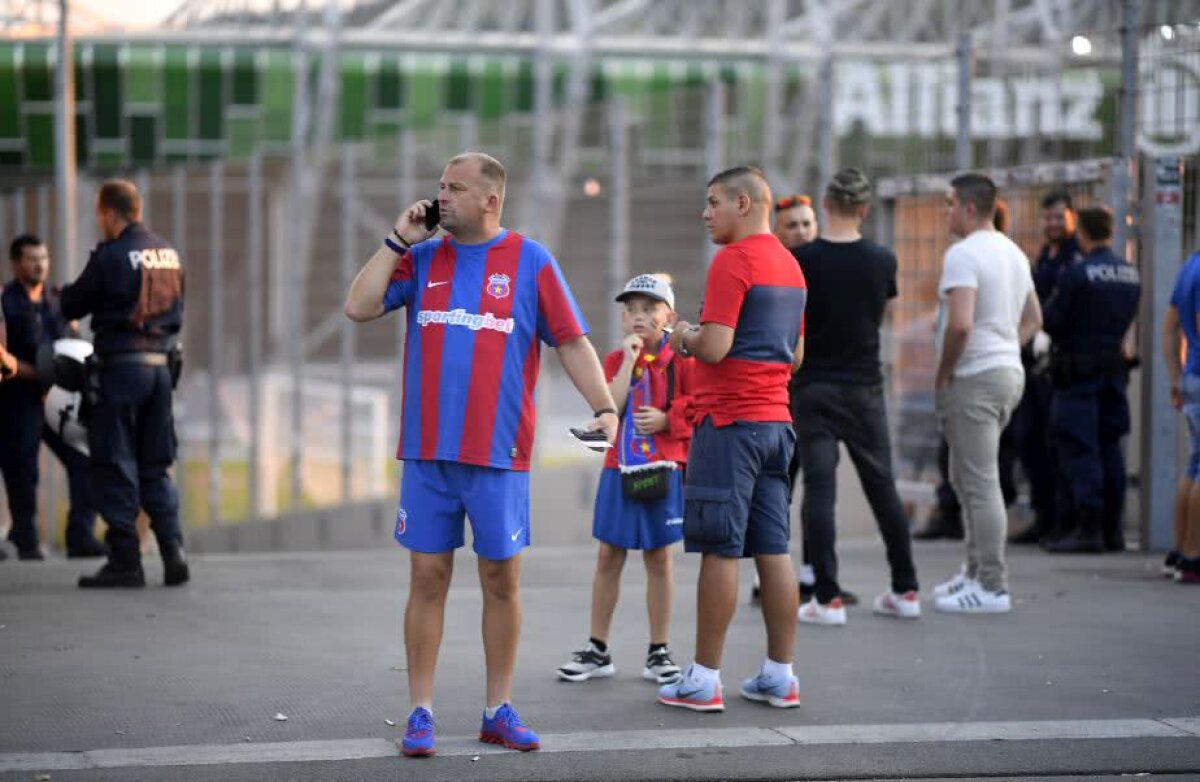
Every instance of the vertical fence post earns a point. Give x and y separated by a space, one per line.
179 239
64 148
216 231
1126 115
618 246
714 139
254 327
826 132
962 141
19 223
142 181
348 261
42 204
1159 422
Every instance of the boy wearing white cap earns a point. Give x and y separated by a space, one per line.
639 503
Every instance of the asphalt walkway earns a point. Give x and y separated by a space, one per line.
1093 674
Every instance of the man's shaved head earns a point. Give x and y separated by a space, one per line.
738 204
744 179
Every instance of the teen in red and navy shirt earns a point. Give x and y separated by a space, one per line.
736 488
755 288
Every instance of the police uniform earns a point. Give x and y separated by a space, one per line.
1088 317
132 287
1032 417
31 324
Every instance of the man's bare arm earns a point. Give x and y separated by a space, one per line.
582 365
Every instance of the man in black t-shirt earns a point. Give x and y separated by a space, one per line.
838 398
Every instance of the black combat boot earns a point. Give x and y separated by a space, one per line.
175 566
113 576
86 548
1086 539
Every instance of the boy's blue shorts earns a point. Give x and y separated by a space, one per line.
625 523
436 495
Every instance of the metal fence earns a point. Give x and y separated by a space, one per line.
286 405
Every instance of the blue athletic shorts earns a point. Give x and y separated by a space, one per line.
625 523
436 495
736 491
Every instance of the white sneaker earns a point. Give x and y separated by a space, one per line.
831 615
974 599
905 606
954 585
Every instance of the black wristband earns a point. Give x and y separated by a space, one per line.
403 241
604 410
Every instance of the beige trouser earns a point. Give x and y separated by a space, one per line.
973 411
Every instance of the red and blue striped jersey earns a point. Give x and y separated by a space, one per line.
477 315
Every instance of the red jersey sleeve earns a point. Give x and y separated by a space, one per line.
400 289
612 363
559 318
726 287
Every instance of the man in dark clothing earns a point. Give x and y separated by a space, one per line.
33 318
1088 317
132 287
1035 443
839 398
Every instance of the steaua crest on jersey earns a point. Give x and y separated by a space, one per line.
499 285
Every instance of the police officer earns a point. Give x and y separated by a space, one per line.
132 287
32 313
1088 318
1032 418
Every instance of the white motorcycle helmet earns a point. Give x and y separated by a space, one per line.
62 415
62 363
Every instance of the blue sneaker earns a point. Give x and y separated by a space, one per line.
781 695
507 730
418 736
685 694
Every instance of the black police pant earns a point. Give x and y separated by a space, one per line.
1036 446
824 415
1089 418
20 438
131 436
21 435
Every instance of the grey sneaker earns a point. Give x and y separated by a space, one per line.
660 668
588 663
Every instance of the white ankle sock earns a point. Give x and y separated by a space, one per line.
776 672
490 711
701 675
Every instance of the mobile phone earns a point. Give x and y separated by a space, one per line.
596 441
432 215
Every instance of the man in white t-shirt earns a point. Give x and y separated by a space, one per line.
988 310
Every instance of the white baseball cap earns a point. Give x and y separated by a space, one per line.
650 286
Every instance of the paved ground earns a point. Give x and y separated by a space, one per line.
1093 674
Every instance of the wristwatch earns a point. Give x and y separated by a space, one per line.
603 411
683 348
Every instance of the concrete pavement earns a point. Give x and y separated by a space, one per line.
1093 673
